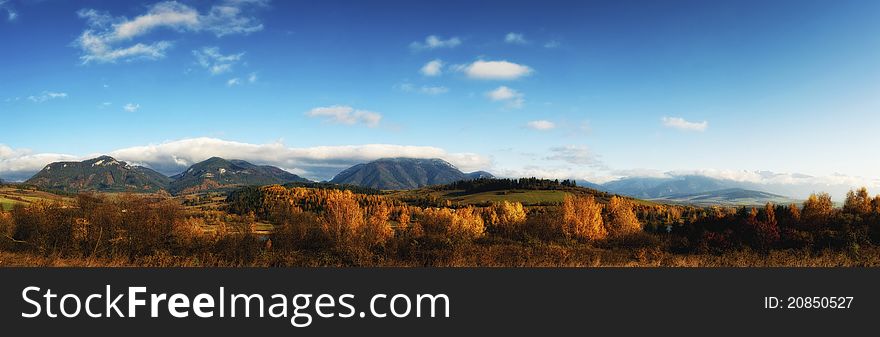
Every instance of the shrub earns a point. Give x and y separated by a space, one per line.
301 230
461 224
7 229
187 232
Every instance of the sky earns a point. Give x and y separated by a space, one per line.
783 92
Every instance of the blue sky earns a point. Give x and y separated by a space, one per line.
584 89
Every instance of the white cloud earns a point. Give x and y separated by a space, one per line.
101 41
20 164
211 59
46 96
788 184
552 44
432 68
513 98
131 107
553 172
541 125
433 42
495 70
433 90
577 155
322 162
319 163
11 14
233 82
515 38
502 93
682 124
425 89
252 78
344 114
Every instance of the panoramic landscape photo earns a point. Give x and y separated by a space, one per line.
258 133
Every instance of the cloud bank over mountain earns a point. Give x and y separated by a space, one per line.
171 157
323 162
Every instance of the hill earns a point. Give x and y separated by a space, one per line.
728 197
653 188
102 174
404 173
480 192
25 195
217 173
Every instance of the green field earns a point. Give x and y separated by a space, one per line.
9 196
6 204
528 197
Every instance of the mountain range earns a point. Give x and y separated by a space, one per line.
728 197
218 173
106 174
110 175
404 173
692 189
99 174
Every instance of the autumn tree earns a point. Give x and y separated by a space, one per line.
764 229
403 216
299 230
858 202
463 223
620 219
7 229
343 217
504 217
794 212
817 210
875 205
376 231
582 218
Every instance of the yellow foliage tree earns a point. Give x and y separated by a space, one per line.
505 216
858 202
403 216
582 218
621 219
343 217
377 230
463 223
818 209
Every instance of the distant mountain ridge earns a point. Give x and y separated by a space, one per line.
694 189
404 173
103 173
218 173
730 196
106 174
652 188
